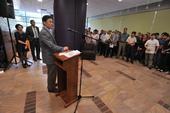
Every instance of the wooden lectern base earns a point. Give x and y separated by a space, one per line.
66 104
71 102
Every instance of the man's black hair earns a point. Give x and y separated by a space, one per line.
46 17
31 21
157 34
153 34
95 30
165 34
134 32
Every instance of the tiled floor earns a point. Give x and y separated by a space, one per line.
121 87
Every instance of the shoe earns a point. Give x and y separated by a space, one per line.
27 65
158 69
39 59
161 70
150 67
57 94
127 60
54 90
167 72
24 66
35 59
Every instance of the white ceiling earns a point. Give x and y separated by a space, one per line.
95 7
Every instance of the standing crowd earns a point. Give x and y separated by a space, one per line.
150 49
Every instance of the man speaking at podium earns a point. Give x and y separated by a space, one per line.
49 47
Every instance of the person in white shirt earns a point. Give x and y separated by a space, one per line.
131 41
104 37
106 42
89 34
91 40
112 50
151 48
92 37
95 37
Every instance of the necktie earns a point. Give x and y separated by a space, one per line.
36 33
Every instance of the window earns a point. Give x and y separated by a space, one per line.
23 18
32 14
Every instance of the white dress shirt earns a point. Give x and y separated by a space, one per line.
34 29
151 46
95 38
105 37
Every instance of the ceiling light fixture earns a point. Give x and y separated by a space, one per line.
87 3
120 0
39 0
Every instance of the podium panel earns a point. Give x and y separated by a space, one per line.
67 77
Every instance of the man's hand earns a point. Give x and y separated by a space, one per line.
66 48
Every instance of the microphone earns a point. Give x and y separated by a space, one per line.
68 29
72 30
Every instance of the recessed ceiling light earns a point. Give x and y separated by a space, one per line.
39 0
120 0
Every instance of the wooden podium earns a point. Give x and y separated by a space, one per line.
67 77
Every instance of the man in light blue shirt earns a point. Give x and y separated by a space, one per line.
122 43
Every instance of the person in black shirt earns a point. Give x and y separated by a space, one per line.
163 65
140 54
20 37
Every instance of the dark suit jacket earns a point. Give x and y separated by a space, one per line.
29 32
20 47
49 46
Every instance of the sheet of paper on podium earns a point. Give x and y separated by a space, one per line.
70 54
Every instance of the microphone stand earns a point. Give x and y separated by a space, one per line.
79 97
74 31
13 48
